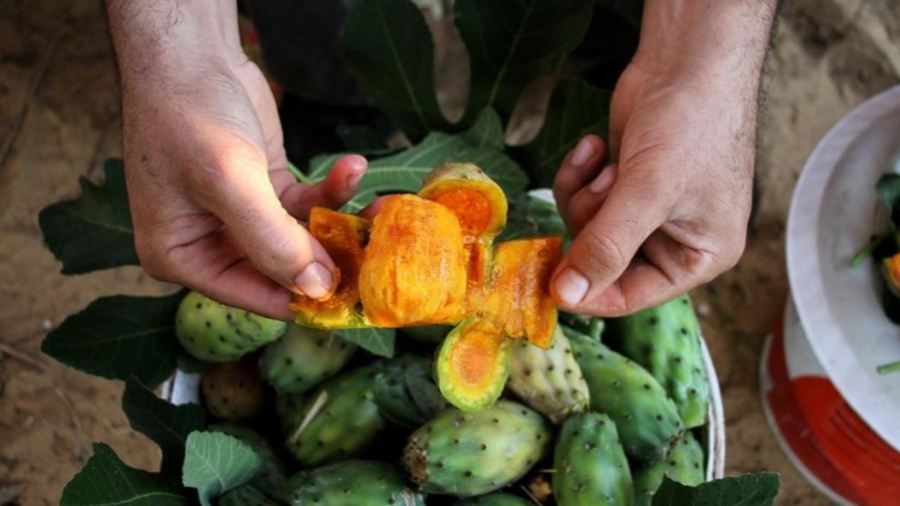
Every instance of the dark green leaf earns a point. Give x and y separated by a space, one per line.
513 43
576 109
404 171
888 189
425 394
215 463
107 481
166 424
531 216
119 337
757 489
190 364
376 341
389 47
362 139
94 231
487 131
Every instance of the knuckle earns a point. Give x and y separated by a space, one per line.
604 251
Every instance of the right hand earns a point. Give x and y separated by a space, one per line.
213 205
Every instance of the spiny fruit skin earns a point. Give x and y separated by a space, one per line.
233 391
549 381
472 453
214 332
303 358
271 478
666 340
340 428
406 393
497 499
352 483
247 495
590 463
646 419
685 464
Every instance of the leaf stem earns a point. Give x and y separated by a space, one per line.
889 368
864 253
303 178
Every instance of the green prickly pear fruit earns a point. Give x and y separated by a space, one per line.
472 453
406 393
303 358
550 380
590 463
666 340
233 391
337 421
352 483
214 332
271 478
646 419
496 499
247 495
685 464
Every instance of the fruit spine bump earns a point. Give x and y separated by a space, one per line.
685 464
352 483
303 358
214 332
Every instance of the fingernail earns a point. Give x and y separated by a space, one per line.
315 281
354 179
583 152
604 181
571 286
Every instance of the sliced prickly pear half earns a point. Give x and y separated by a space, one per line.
473 365
471 195
414 271
517 299
343 236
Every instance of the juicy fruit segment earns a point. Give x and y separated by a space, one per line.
343 236
666 340
684 465
414 272
352 483
303 358
646 419
471 195
473 365
591 467
214 332
468 454
498 499
336 421
550 380
233 391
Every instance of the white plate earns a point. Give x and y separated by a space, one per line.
834 212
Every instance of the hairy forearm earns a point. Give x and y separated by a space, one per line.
716 37
162 38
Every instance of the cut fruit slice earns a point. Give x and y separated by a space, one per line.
473 365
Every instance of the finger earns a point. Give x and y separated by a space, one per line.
586 203
334 191
241 194
605 247
216 268
577 169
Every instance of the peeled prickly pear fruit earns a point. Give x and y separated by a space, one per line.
214 332
684 465
303 358
337 421
468 454
666 340
247 495
646 419
473 365
550 380
405 391
590 463
233 391
271 478
496 499
352 483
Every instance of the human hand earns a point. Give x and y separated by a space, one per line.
671 211
213 205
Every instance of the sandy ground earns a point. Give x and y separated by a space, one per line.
55 62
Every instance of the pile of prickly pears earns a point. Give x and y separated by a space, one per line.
599 418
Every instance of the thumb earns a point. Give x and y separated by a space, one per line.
274 242
586 279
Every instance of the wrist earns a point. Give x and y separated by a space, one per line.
160 42
727 38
